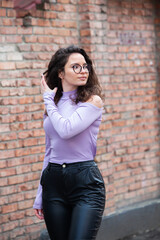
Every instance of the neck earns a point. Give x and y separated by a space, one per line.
67 88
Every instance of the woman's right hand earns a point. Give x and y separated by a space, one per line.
39 213
44 86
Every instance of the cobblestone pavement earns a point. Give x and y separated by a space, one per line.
147 235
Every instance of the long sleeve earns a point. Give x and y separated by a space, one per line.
38 200
80 120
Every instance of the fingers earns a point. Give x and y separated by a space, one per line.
43 82
39 213
42 77
44 86
55 89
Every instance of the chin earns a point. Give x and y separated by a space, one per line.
82 84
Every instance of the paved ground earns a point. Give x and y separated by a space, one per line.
147 235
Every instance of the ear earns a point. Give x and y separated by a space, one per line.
61 74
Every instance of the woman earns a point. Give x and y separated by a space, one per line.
71 194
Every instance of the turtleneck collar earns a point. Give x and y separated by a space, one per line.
69 94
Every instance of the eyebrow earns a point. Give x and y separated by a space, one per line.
78 64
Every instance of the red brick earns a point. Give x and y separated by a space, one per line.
22 152
9 101
130 195
18 232
10 226
17 109
32 74
25 187
24 117
38 30
7 189
65 24
9 208
15 144
37 167
31 39
32 108
121 190
34 125
14 198
44 22
38 98
8 30
3 12
63 1
30 56
36 149
23 31
133 164
30 142
33 228
32 91
7 4
7 65
36 81
50 15
37 48
25 134
7 172
24 48
4 182
29 212
4 218
7 22
38 115
26 100
2 39
4 128
37 65
25 204
23 65
13 39
11 13
134 186
23 169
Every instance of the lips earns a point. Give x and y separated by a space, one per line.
83 78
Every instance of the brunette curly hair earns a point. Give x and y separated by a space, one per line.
57 64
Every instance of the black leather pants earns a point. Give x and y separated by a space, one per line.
73 200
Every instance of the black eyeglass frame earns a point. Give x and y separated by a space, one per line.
87 66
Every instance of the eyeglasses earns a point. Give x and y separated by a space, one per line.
78 68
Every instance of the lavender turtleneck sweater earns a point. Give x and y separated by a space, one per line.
71 132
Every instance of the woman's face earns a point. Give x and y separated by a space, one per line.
75 72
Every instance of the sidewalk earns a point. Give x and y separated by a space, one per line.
147 235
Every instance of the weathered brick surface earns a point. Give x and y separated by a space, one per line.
123 39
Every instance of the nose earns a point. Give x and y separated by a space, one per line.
84 70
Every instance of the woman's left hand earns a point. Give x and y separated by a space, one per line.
39 213
44 86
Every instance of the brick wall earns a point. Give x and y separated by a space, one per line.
122 37
132 119
157 31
